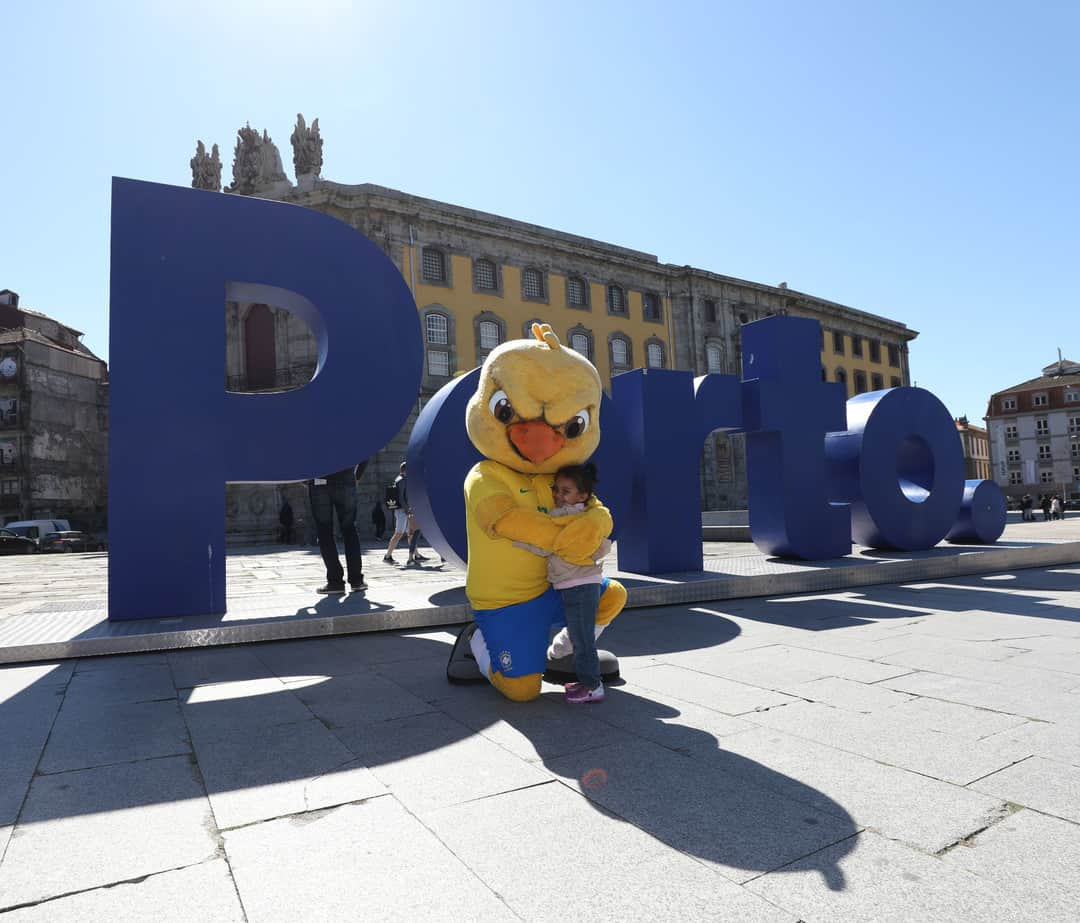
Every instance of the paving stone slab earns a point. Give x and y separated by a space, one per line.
194 894
738 824
902 805
359 862
895 741
264 772
1001 672
849 694
781 667
1060 742
993 651
665 720
87 734
357 698
84 829
1060 661
17 679
223 709
431 761
955 719
545 729
123 684
991 696
878 880
1039 783
204 666
621 873
111 662
25 719
1033 856
706 689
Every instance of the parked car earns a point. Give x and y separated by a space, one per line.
70 541
10 543
35 529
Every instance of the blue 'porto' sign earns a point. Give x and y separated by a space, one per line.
885 469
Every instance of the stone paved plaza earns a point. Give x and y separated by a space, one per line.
890 753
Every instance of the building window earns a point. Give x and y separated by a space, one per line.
744 318
532 284
526 328
1046 477
1010 430
838 343
1072 397
620 353
1074 424
877 382
433 265
489 334
841 378
894 355
875 350
1042 427
438 363
714 358
1044 453
1014 456
895 382
1015 478
489 331
260 350
437 327
1076 474
856 346
577 292
1008 403
860 381
1076 450
485 276
616 300
710 311
1039 400
438 337
579 343
654 355
650 306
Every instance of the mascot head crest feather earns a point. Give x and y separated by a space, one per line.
537 406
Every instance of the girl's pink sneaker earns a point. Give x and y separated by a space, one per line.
577 694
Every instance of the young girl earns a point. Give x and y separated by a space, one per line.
580 585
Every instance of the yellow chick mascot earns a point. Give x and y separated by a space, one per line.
536 408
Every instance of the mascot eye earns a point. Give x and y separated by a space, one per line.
578 424
499 405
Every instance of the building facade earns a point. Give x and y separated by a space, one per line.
1034 432
479 279
976 450
53 421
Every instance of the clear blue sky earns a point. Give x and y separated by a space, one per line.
917 160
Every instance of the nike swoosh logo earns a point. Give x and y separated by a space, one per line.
524 490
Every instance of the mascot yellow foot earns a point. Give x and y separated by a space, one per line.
536 409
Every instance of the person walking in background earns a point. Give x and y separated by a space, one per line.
1046 507
1056 509
378 520
1026 503
336 493
397 500
285 518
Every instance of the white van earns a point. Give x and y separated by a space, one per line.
36 529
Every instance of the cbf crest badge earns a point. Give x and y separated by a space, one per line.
505 661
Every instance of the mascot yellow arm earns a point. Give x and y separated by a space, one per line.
498 515
579 540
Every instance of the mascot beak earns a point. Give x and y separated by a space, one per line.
536 440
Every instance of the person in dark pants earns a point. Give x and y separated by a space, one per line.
285 517
336 493
378 520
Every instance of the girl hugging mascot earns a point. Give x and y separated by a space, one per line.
536 409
